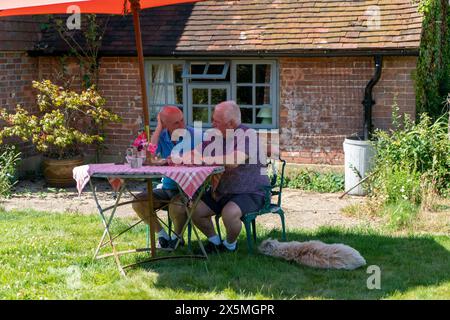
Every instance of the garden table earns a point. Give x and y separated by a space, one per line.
191 181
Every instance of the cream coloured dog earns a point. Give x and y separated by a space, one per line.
314 254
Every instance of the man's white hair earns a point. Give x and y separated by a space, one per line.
233 112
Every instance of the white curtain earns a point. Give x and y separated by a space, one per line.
163 75
158 95
171 88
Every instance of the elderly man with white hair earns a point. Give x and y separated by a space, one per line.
241 187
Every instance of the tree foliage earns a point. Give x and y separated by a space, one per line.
433 69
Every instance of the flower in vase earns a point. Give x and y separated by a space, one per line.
140 141
152 149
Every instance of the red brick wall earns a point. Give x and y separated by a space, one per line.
320 103
17 70
119 84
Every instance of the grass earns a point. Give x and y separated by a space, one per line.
404 217
48 256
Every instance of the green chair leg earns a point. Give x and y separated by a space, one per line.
169 224
283 225
189 236
254 230
249 235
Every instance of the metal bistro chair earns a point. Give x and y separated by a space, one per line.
275 189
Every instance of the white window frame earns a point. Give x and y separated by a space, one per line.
208 86
273 90
148 79
192 83
205 76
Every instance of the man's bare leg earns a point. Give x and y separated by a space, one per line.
177 212
231 216
141 209
202 219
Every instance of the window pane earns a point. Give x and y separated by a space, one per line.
171 95
263 73
245 95
155 71
200 96
154 110
179 95
200 114
198 68
218 96
159 73
215 69
158 94
244 73
262 95
264 116
177 73
247 115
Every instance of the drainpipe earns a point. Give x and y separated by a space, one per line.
368 98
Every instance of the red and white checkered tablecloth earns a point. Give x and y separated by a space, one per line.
189 179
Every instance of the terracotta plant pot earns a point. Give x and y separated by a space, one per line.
58 173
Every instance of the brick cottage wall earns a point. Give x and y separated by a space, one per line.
321 103
17 70
119 83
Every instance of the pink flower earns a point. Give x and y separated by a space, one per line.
140 141
152 148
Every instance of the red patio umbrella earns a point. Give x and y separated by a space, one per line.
36 7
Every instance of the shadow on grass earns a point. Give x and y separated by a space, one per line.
406 263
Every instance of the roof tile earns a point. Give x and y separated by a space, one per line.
217 26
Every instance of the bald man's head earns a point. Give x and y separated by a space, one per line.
172 118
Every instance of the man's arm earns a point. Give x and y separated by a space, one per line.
157 132
239 158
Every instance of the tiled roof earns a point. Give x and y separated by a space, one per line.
19 33
267 26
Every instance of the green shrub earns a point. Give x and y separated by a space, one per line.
9 161
411 162
64 121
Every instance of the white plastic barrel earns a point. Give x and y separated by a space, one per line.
358 157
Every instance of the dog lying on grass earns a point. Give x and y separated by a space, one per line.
314 254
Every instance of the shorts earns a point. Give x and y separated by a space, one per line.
164 194
247 202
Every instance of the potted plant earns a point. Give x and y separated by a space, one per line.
63 124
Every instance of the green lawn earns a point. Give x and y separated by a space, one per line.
48 256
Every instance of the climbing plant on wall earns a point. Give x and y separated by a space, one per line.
433 69
83 44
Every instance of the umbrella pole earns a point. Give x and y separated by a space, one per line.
135 8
